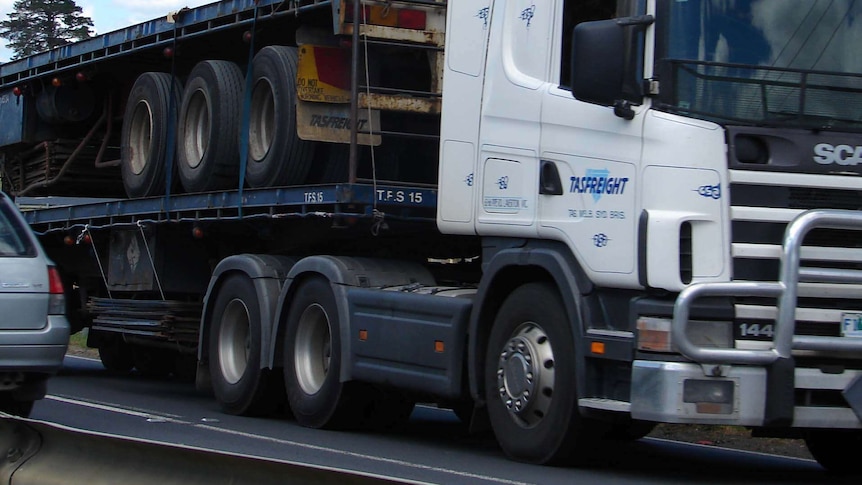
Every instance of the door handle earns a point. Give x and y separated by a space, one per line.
549 179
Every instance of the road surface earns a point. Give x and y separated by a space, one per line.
433 447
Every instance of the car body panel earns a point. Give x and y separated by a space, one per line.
32 342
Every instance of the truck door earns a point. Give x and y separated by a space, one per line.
516 75
595 154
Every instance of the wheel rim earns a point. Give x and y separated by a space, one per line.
140 136
525 375
261 126
234 345
313 348
197 125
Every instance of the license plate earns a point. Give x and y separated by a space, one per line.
851 325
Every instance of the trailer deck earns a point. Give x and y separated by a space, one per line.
46 215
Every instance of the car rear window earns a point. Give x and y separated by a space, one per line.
14 236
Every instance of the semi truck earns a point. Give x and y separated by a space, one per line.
565 220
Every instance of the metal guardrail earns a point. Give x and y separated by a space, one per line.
785 290
34 452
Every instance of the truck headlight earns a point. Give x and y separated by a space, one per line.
654 334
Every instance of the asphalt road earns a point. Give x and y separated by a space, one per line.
434 446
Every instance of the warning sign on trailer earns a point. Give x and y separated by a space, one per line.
323 75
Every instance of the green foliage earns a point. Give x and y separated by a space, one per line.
39 25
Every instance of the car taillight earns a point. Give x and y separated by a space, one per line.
57 298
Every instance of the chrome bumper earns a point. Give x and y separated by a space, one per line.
657 395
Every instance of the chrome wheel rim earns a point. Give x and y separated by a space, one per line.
261 128
313 348
197 133
140 137
234 345
525 374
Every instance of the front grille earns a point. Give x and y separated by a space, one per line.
818 198
745 195
761 208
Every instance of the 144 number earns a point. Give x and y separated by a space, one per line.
755 330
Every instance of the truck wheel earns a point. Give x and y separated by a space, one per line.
115 354
312 362
208 126
835 450
144 147
238 381
276 154
529 378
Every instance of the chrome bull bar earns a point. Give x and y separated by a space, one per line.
791 273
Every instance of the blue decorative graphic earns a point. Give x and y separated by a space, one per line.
469 180
527 14
483 14
601 240
710 191
503 182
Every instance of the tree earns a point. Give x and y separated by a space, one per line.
39 25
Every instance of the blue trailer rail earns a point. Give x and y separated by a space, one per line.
152 34
353 200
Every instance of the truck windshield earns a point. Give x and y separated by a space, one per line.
762 62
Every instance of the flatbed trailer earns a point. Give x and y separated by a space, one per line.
67 104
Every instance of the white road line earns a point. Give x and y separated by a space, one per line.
140 413
172 419
362 455
81 357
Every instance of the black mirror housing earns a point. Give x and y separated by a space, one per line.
607 62
598 62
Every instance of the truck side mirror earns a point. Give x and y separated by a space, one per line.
607 57
598 50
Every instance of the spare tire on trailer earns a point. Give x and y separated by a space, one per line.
151 111
208 126
276 154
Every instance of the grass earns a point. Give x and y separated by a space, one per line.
79 339
734 437
78 346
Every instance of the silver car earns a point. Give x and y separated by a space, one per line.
34 331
